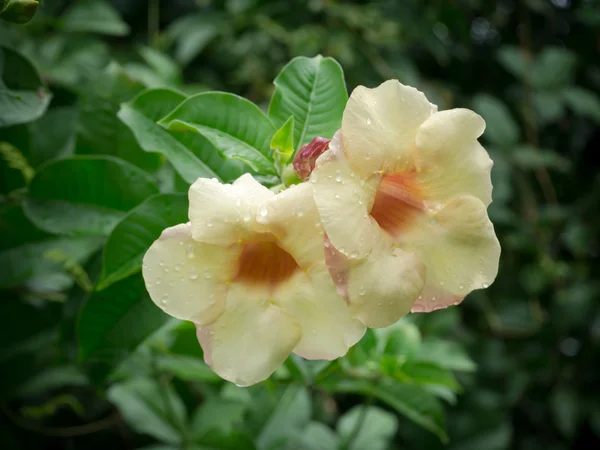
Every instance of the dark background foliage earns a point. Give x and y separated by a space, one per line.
529 67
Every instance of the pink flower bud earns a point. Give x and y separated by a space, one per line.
306 156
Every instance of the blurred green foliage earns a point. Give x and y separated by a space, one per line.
513 367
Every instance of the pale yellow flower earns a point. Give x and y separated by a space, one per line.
249 270
402 194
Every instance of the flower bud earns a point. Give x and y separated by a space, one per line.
306 156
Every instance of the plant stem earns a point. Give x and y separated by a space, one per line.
153 22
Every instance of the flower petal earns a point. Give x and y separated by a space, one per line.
188 279
450 160
459 248
293 218
344 201
250 340
328 328
223 214
384 286
379 126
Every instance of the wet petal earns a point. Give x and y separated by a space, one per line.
292 217
223 214
187 279
384 286
450 160
459 248
328 328
344 201
379 126
250 339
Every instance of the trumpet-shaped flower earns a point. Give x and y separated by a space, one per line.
249 271
402 193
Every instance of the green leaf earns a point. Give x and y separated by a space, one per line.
291 413
529 157
564 406
113 322
53 135
23 96
186 368
86 195
94 16
583 102
283 144
316 436
367 427
313 91
100 132
192 34
24 252
553 68
150 408
141 115
501 129
513 60
19 11
221 414
401 340
411 401
430 374
134 234
445 354
235 126
162 64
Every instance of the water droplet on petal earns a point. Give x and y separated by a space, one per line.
368 156
193 274
461 286
157 282
485 285
354 255
263 211
338 176
238 202
362 291
337 195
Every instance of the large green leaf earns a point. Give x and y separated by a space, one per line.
501 128
367 427
445 354
94 16
150 408
86 195
141 115
116 320
554 67
100 132
235 126
412 401
292 413
23 97
25 253
133 235
314 92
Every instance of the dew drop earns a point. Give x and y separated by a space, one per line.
209 223
379 304
368 121
177 267
362 291
368 156
207 275
338 176
263 211
485 285
192 275
157 282
162 263
353 254
337 195
238 202
461 286
342 250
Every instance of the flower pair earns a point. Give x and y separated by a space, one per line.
393 217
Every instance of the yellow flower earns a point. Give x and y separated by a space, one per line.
402 194
249 271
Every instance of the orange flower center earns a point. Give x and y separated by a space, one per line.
265 263
398 202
